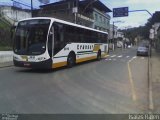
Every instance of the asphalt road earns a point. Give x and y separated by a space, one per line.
116 84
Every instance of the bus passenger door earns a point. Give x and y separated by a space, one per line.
51 43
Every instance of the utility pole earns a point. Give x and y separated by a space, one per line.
113 33
75 10
77 1
31 8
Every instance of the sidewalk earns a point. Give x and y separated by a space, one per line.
155 79
6 58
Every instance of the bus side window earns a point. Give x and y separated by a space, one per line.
58 37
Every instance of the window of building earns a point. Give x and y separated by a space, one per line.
104 20
100 18
96 17
108 22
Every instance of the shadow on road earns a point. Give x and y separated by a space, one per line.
41 71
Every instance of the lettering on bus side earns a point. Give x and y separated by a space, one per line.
85 47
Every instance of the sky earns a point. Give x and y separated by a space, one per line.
134 19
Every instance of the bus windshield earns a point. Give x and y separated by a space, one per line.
31 36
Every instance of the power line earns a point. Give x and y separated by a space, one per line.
21 3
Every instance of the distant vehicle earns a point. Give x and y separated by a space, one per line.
129 46
52 43
143 51
119 44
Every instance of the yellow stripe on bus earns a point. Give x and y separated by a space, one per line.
85 59
60 64
96 48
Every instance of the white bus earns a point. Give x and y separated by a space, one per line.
44 42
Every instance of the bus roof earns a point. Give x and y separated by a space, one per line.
65 22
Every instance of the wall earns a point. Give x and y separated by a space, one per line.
111 31
6 56
14 14
102 20
158 41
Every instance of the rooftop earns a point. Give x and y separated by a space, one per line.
96 3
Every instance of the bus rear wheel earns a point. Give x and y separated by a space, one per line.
99 55
71 60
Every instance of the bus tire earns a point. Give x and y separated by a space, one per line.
71 60
99 55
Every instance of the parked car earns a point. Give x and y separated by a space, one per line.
143 51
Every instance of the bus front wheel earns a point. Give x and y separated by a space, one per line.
71 60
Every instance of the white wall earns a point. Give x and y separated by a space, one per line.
14 13
6 56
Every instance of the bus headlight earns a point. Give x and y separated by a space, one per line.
15 58
41 58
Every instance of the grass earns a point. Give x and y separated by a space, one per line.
5 48
4 25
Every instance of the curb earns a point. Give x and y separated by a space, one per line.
151 105
6 59
6 64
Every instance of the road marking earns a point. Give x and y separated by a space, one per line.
113 56
106 56
134 57
127 56
134 97
120 56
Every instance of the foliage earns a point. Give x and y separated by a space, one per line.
5 35
5 48
142 30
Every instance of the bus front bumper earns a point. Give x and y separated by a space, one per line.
42 65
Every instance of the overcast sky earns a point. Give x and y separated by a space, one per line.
133 20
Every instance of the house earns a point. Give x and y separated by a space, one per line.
90 13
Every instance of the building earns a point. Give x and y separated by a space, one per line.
155 35
111 31
120 34
158 40
90 13
13 14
